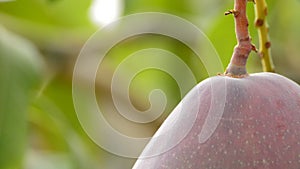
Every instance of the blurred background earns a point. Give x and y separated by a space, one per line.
40 41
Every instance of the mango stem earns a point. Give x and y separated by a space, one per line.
237 65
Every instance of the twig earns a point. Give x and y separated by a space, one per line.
237 65
261 12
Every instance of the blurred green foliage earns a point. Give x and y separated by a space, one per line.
20 67
38 124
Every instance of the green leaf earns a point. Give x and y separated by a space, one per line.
19 73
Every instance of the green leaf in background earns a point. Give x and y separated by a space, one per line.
173 7
50 12
19 73
57 25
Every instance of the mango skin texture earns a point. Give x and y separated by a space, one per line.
258 128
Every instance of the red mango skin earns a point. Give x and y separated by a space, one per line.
259 128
